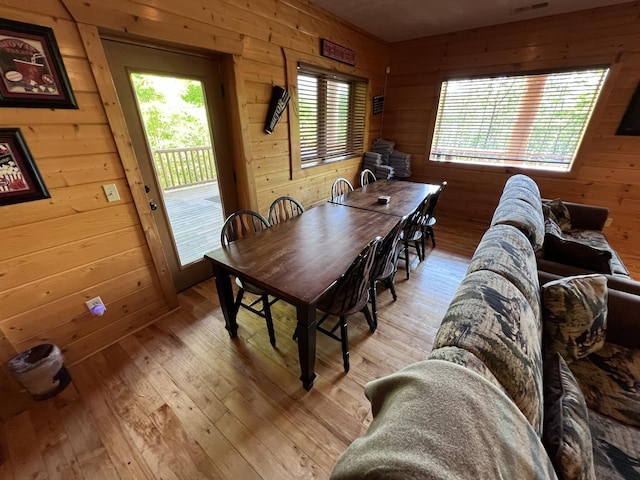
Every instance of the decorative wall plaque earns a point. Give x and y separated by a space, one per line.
337 52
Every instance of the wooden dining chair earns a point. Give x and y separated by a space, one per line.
349 295
385 265
239 225
411 236
340 187
367 177
430 220
284 208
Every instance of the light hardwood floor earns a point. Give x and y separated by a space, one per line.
181 400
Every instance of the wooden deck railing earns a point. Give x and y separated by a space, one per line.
181 167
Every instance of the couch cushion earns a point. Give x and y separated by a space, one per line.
506 251
616 448
598 240
562 248
492 319
574 310
520 206
610 380
436 419
557 211
566 423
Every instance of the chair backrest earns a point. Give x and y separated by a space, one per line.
284 208
241 224
434 199
340 187
367 177
387 253
413 226
351 293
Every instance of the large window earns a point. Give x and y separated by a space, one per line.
530 121
331 114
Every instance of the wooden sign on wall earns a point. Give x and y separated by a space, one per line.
337 52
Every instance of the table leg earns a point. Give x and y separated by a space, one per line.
225 294
307 343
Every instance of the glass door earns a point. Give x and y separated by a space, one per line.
175 115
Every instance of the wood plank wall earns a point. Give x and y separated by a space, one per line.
606 170
58 253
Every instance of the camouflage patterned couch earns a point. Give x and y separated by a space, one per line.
478 406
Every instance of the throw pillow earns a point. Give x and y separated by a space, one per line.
566 434
559 249
574 310
558 212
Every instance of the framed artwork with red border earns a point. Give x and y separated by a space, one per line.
20 180
31 70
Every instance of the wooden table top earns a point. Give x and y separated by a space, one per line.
298 260
405 196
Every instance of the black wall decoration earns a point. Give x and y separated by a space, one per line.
630 124
279 100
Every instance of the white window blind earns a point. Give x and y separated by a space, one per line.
531 121
331 113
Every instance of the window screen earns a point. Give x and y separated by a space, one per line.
331 113
531 121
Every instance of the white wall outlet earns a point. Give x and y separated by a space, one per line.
608 222
111 191
96 307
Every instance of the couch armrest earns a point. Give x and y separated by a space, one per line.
623 327
587 217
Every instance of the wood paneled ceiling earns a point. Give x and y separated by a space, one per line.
397 20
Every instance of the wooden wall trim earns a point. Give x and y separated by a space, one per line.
133 19
100 68
233 75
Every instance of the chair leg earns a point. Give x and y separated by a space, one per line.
391 286
345 342
374 300
406 257
239 299
433 237
372 323
418 250
267 315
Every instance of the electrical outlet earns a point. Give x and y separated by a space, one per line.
95 306
608 222
111 191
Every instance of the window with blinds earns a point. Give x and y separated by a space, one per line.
530 121
331 115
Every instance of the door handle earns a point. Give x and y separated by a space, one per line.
153 205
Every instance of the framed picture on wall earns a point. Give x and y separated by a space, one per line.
31 70
20 180
630 124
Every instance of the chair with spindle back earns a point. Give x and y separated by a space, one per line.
284 208
367 177
239 225
386 264
427 230
349 295
340 186
411 235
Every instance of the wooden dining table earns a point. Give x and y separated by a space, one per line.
405 196
298 261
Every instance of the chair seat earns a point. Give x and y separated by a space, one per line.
330 300
249 287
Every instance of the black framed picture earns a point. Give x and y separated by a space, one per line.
20 180
630 124
31 70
